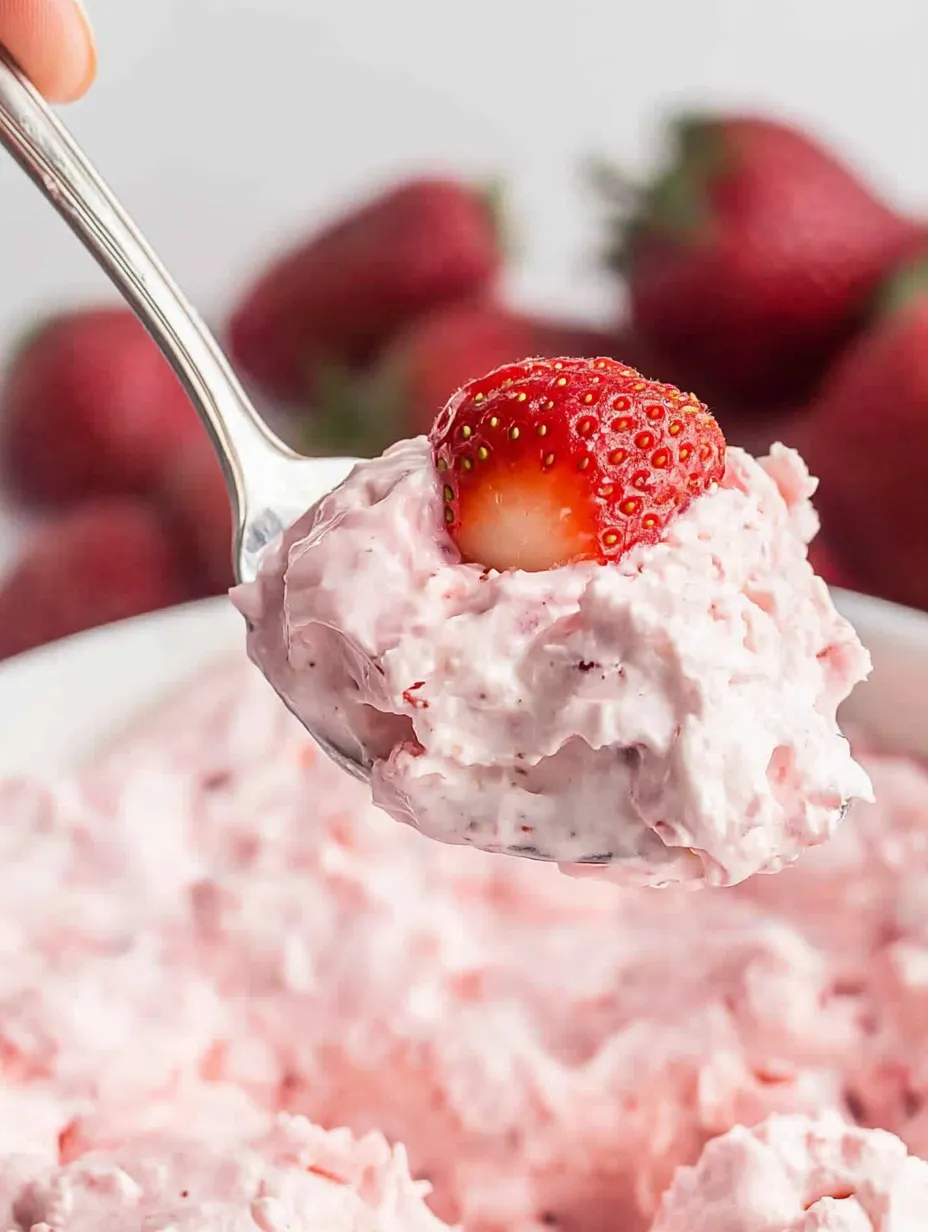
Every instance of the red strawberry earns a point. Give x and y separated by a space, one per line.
335 299
103 561
549 461
90 406
866 438
430 359
196 504
751 259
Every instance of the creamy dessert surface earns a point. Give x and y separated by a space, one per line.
674 709
210 932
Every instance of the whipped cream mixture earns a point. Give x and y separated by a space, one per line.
674 710
210 935
793 1175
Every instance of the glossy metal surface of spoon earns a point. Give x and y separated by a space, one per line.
265 478
267 481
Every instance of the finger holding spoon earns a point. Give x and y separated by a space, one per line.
53 43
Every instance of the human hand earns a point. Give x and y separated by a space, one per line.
52 42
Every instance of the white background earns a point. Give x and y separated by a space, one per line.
228 125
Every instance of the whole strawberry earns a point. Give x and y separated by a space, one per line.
866 438
90 407
545 462
750 261
104 561
336 299
423 365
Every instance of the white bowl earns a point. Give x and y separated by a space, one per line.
60 703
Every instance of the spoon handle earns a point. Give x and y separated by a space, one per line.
48 154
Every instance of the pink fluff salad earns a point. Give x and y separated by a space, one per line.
209 935
795 1175
292 1178
675 711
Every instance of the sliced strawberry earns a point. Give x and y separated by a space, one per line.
550 461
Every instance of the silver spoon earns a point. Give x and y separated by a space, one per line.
267 481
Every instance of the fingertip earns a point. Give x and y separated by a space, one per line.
84 77
53 43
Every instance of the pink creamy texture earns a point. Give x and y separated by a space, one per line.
293 1178
793 1175
676 710
211 926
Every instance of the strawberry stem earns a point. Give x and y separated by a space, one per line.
611 183
340 421
494 195
352 415
677 204
906 286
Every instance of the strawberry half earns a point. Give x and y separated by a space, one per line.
550 461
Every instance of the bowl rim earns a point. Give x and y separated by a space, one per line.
906 623
898 620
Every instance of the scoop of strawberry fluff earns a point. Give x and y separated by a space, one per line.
571 625
792 1174
295 1178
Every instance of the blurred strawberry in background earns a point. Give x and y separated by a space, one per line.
751 258
106 560
761 273
94 424
193 497
823 560
866 437
335 300
89 406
